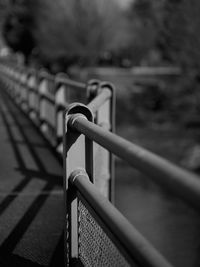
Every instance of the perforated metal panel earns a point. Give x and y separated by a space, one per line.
95 247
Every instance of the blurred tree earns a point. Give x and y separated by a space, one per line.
4 4
179 38
145 17
63 31
180 44
17 28
79 29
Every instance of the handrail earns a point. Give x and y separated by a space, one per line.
44 97
78 123
61 78
97 102
89 145
184 183
138 249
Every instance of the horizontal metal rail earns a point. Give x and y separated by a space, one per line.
49 97
97 102
136 246
71 83
44 97
181 182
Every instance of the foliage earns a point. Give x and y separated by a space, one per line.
65 31
3 9
179 42
82 30
145 17
90 28
179 39
16 28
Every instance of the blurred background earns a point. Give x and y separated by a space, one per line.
150 50
110 39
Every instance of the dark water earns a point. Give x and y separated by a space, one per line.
171 225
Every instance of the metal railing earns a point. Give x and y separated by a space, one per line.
96 233
80 128
44 97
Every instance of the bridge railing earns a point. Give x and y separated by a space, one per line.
96 234
44 97
80 133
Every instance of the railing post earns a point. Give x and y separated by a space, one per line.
47 106
78 154
104 117
32 97
15 80
60 104
17 86
42 88
9 84
24 91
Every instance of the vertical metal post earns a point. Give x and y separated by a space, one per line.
15 79
69 231
60 103
78 154
42 88
24 91
104 160
72 243
37 97
9 81
31 84
17 87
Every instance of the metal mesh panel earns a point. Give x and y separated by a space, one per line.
95 247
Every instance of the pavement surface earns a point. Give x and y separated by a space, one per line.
31 195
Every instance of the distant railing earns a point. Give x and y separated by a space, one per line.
44 97
96 233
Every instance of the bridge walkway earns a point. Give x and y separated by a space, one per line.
31 195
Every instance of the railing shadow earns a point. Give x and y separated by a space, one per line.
52 180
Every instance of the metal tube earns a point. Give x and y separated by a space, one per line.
134 243
69 82
181 182
100 99
49 97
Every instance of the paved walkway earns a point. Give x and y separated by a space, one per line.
31 196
